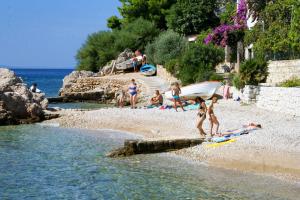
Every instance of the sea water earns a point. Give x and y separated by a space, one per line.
49 81
41 162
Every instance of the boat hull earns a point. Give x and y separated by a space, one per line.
148 70
205 90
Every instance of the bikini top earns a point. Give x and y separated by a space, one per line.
132 88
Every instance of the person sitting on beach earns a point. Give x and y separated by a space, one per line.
202 116
132 89
33 88
157 99
212 117
175 93
120 97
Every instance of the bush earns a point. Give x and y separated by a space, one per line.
216 77
173 66
293 82
237 82
198 63
253 72
167 46
135 35
103 46
96 51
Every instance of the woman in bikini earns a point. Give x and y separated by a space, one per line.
212 117
175 93
202 116
132 89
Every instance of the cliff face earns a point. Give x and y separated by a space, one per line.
17 103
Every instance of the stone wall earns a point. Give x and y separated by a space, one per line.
282 70
164 74
279 99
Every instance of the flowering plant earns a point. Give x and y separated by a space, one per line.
220 35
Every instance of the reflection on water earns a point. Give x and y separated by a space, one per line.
53 163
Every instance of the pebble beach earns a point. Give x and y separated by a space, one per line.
273 150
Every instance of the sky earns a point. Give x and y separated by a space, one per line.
48 33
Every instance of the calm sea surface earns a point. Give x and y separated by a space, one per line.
38 162
50 81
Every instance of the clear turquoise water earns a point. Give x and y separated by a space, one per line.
38 162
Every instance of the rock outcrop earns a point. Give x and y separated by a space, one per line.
99 89
18 104
111 67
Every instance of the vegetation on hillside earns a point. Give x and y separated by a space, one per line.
159 28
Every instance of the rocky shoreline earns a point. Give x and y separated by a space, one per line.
18 105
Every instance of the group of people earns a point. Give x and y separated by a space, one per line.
202 112
157 100
138 59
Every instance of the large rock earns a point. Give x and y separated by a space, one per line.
17 103
120 61
72 78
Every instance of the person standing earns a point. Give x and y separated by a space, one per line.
226 93
212 117
201 116
132 89
176 91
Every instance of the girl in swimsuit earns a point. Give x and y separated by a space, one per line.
132 89
202 116
212 117
175 93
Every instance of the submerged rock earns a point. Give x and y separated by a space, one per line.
17 103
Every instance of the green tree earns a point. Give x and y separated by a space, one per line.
153 10
294 33
135 35
96 51
276 35
169 45
192 16
114 22
198 63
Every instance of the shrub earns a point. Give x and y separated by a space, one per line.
293 82
216 77
253 72
172 66
198 63
136 35
96 51
168 45
237 82
103 46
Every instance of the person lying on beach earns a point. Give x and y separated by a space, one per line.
157 99
201 116
132 89
212 117
246 129
175 93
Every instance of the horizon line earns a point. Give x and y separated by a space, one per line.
35 67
